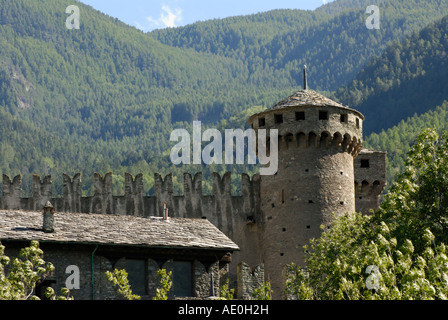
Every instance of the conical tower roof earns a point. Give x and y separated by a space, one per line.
307 97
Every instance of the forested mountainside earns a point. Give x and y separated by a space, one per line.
397 140
333 41
107 96
409 78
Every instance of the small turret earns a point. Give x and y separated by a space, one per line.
305 80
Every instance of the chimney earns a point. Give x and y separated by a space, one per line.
165 212
305 80
48 225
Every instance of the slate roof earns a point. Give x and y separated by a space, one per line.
114 230
307 97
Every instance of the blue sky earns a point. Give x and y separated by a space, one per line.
148 15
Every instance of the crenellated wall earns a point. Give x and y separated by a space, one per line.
236 216
221 207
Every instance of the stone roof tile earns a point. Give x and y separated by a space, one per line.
114 229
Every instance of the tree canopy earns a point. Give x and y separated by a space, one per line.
400 252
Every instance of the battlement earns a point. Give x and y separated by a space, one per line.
302 140
220 207
366 188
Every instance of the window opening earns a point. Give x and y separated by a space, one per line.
365 163
136 275
323 115
300 115
182 279
278 118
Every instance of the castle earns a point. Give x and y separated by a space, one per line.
322 170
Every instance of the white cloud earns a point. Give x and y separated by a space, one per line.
168 18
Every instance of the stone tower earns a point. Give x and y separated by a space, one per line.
318 141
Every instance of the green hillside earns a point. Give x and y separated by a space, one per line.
107 96
397 140
333 40
408 78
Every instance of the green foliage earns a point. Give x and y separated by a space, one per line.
102 98
369 267
119 278
165 284
397 141
264 292
25 272
331 40
51 295
399 252
418 201
334 261
408 78
225 292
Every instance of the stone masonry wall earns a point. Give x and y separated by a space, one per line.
249 280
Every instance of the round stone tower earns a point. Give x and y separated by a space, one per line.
318 140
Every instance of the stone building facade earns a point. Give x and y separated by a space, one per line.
82 247
322 170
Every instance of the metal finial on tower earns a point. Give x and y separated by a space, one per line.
305 80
